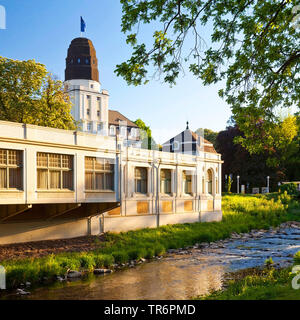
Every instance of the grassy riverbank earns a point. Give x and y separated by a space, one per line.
241 213
268 284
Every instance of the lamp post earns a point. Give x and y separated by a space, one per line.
268 183
238 184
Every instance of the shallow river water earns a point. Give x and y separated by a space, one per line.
180 275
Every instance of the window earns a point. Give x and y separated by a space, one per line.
165 181
87 61
99 127
89 126
187 182
78 60
123 132
11 169
98 113
140 180
112 130
54 171
98 98
209 181
99 174
88 112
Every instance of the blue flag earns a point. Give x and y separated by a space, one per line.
82 25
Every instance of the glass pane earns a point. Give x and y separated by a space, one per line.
14 157
3 154
109 181
67 161
55 180
42 159
89 162
42 179
54 160
68 180
15 178
88 181
3 175
99 164
99 181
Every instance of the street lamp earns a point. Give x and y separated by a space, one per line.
238 184
268 183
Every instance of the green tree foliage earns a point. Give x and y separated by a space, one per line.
146 135
280 165
254 46
209 135
29 94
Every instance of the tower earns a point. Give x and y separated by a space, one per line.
90 102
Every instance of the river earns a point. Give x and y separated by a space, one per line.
182 274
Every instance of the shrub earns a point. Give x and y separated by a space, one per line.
150 253
120 256
87 262
297 257
159 249
290 188
136 254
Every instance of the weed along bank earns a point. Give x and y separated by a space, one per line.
62 184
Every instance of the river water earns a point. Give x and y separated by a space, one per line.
183 274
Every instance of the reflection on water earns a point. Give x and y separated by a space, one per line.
180 276
170 278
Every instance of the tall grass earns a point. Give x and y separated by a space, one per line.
241 213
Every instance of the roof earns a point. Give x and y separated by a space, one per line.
114 117
208 146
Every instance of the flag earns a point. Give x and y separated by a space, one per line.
82 25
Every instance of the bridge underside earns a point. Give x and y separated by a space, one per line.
52 212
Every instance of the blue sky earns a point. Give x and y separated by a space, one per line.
43 30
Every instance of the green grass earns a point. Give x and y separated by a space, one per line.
241 213
270 284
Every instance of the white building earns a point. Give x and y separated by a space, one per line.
61 184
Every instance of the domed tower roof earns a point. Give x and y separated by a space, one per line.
81 62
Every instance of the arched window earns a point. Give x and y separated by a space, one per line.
209 180
78 60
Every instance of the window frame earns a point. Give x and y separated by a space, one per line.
187 182
165 182
95 171
61 169
143 180
9 166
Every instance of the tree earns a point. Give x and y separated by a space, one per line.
29 94
146 135
254 46
209 135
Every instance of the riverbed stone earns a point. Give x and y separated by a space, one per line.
102 271
74 274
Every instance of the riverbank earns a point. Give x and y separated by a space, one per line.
240 214
268 283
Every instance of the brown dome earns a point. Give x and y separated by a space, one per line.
81 62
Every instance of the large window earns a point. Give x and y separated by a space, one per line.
141 180
99 174
54 171
187 182
11 164
165 181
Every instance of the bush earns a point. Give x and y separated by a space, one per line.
150 253
87 262
159 249
137 254
120 256
290 188
103 260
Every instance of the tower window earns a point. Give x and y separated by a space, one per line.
92 86
87 61
78 60
72 61
88 112
88 97
98 113
98 98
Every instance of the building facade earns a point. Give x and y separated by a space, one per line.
62 184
